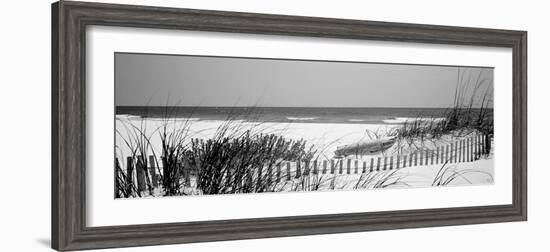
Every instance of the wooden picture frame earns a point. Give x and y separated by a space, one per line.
69 20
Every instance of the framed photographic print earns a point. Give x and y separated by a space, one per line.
177 125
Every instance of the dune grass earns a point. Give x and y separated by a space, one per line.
382 179
471 111
232 164
448 174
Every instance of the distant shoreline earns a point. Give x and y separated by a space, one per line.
389 116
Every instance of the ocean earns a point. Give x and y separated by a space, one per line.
287 114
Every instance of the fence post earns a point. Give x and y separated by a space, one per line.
427 154
460 147
404 161
464 152
324 167
397 162
298 169
164 170
456 151
415 158
306 168
315 169
391 163
385 163
478 139
187 172
484 136
356 166
437 155
269 173
288 175
348 171
153 171
378 164
250 175
341 166
371 164
472 149
332 166
278 173
482 144
487 144
364 167
421 157
469 149
129 173
460 151
475 148
141 169
451 153
260 171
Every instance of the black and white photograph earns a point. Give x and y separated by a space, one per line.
191 125
273 126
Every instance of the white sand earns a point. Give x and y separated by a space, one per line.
325 138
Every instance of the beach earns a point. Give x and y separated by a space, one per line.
324 139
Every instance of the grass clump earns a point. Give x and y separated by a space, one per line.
382 179
471 111
139 144
448 174
236 160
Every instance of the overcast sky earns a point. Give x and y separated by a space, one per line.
158 80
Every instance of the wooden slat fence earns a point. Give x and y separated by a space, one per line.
463 150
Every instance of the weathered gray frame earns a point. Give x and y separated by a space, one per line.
69 20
